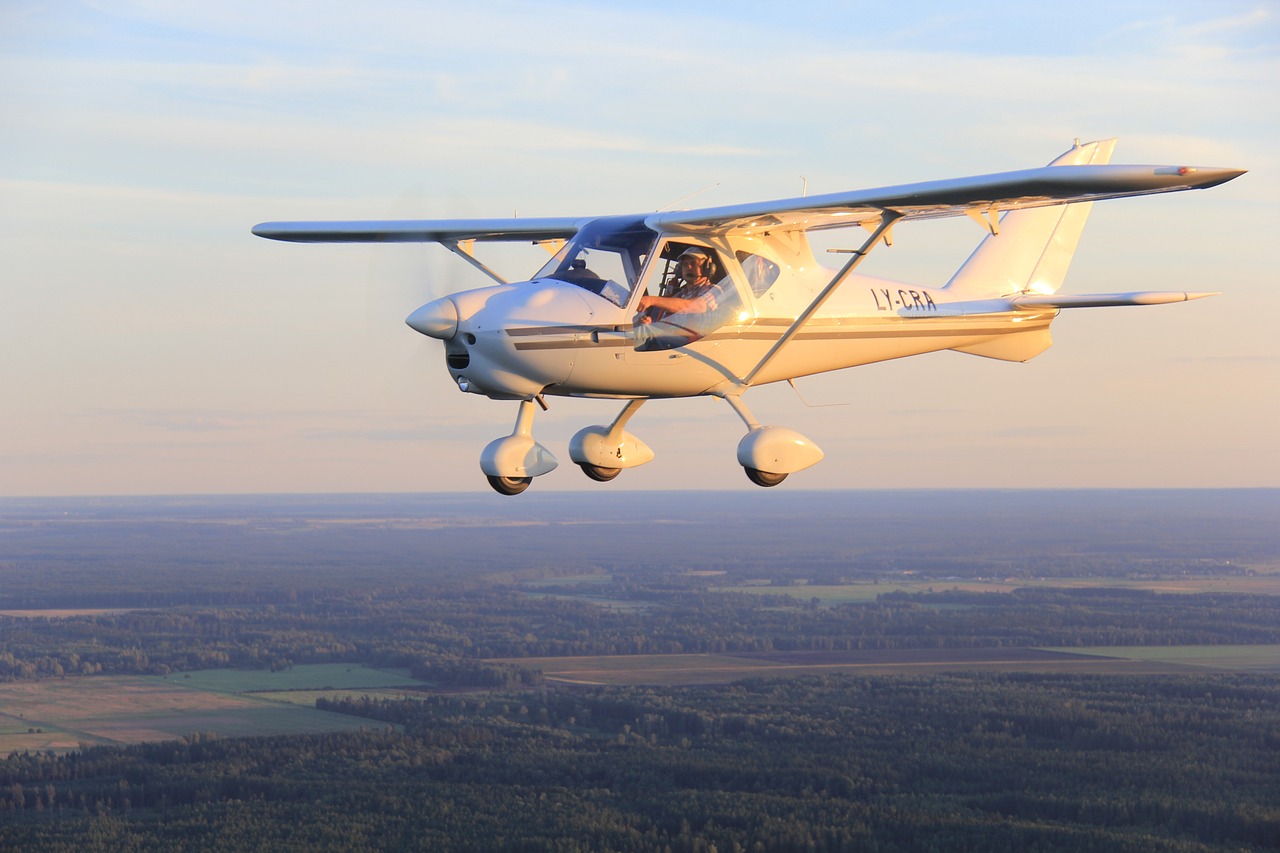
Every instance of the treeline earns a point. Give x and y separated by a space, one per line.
946 763
457 672
441 633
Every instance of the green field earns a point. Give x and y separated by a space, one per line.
676 670
848 593
60 714
1260 584
320 676
1260 659
690 669
598 578
309 697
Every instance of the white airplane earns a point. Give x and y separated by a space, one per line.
719 300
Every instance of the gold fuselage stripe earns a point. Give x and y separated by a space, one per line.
581 334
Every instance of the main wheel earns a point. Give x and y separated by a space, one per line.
600 475
509 485
764 478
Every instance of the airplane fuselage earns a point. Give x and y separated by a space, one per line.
549 337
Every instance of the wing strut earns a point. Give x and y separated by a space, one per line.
462 248
886 222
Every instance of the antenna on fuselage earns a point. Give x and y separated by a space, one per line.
796 388
689 196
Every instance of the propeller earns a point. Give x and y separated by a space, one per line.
399 278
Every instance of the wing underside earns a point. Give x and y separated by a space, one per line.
424 230
981 196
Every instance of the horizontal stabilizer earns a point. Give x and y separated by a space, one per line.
1103 300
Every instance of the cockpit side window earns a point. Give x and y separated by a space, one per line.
604 258
760 272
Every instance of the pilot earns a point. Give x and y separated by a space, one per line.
578 274
697 295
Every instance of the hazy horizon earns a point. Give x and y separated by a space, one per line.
759 494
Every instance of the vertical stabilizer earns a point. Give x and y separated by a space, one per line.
1034 247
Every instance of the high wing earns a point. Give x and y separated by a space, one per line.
983 195
424 230
980 196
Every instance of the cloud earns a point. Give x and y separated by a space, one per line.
192 422
1246 33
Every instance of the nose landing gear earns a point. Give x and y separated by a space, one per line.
510 463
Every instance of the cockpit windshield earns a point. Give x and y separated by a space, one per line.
605 257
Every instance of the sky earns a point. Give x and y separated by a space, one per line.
150 345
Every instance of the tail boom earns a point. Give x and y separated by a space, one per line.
1104 300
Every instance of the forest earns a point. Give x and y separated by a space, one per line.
959 762
444 634
492 756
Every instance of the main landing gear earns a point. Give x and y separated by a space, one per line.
766 453
769 453
603 451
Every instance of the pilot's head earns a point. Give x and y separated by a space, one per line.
695 264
